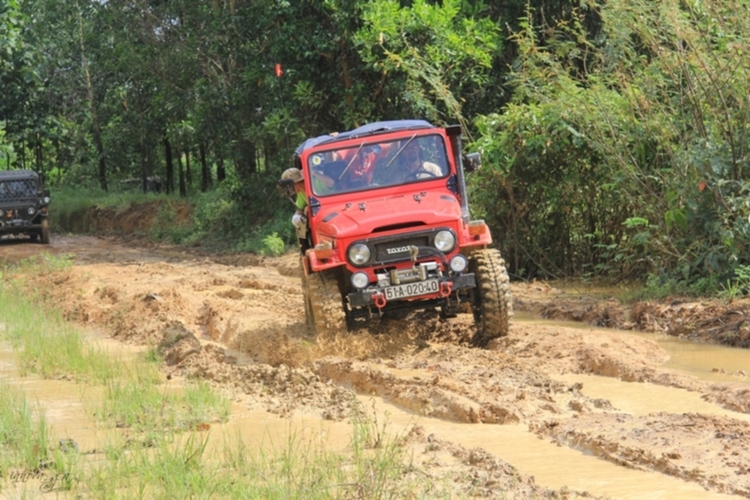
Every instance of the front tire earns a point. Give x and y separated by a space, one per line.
323 305
44 233
309 314
492 304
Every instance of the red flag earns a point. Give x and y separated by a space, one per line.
279 71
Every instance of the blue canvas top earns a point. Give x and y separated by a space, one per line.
364 130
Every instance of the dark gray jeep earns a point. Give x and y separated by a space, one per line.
23 205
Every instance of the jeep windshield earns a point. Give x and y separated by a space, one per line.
371 165
18 189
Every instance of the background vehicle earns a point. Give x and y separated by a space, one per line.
384 237
23 204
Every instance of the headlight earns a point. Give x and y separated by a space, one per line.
31 211
459 263
359 254
445 241
360 280
46 200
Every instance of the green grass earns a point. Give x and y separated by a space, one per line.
297 468
149 408
48 346
68 200
23 435
221 219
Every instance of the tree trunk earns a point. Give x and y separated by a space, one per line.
205 172
180 173
248 162
39 154
58 156
188 169
144 166
170 164
92 104
221 172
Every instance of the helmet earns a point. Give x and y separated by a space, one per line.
293 174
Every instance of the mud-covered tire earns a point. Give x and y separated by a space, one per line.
44 232
323 305
492 303
309 316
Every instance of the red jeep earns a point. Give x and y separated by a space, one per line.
389 229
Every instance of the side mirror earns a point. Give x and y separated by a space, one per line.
472 162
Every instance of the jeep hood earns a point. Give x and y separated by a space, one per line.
351 220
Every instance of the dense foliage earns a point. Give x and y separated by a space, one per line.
614 134
625 147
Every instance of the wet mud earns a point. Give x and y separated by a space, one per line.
238 322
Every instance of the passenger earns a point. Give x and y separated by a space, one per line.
322 181
299 219
322 184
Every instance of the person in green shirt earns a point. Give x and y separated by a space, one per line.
299 219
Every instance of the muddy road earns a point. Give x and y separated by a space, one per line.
238 321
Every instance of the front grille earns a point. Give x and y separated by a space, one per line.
400 246
16 216
398 249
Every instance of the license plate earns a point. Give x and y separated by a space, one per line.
411 289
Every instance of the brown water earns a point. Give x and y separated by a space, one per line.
712 363
556 466
64 405
700 361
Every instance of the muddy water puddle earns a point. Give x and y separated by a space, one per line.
551 465
62 403
712 363
642 398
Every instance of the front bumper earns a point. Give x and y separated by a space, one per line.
376 296
18 225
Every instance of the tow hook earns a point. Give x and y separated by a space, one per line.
379 299
445 288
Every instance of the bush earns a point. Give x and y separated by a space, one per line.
273 244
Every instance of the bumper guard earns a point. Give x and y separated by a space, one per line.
376 296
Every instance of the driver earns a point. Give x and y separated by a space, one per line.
411 167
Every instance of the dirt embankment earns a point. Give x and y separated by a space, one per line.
238 321
716 322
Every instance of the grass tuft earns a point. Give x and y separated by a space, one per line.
23 435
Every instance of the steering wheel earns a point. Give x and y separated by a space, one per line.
417 175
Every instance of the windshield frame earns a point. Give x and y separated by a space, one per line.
372 164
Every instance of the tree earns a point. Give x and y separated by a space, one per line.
429 57
655 107
19 108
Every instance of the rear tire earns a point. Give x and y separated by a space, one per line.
323 305
44 233
492 304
